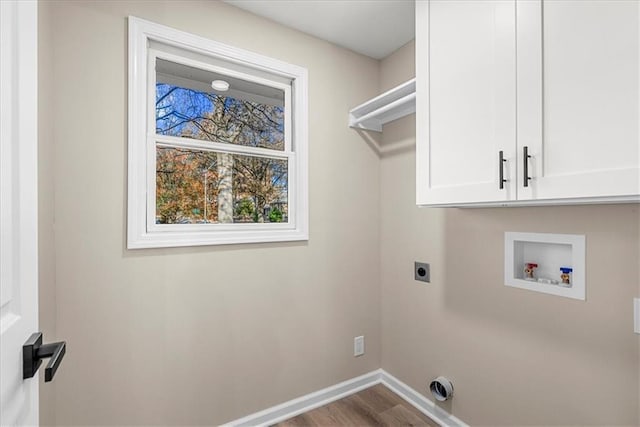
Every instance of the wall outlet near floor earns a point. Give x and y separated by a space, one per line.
636 315
358 346
422 271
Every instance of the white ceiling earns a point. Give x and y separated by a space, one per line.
374 28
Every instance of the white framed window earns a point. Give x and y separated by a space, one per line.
217 144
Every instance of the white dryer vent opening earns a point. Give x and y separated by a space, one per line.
441 388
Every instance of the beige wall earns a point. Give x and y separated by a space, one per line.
515 357
46 242
198 335
205 335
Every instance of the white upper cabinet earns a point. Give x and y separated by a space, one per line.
559 79
578 93
466 100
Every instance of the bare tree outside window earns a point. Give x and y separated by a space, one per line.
213 187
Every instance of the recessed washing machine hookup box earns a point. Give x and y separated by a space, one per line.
543 262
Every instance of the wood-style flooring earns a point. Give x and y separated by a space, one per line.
374 406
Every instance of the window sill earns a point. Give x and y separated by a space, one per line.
174 239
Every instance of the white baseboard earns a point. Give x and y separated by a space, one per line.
327 395
420 402
310 401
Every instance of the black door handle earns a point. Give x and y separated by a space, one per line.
33 351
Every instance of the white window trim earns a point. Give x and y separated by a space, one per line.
141 148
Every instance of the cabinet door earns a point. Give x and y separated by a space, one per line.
578 93
465 105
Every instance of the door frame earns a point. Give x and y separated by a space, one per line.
18 206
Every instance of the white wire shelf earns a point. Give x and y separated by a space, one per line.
391 105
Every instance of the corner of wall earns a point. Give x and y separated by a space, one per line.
398 137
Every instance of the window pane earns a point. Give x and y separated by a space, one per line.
247 113
195 187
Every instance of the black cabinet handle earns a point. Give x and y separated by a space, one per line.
33 351
526 158
501 162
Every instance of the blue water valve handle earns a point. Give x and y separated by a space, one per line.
566 270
